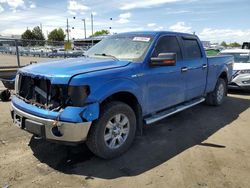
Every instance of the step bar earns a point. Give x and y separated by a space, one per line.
171 111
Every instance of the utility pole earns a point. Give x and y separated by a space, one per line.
67 29
92 28
41 27
84 27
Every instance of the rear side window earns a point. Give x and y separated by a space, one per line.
168 44
191 49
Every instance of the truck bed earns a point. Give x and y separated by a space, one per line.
215 66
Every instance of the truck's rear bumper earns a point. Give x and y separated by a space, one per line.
50 129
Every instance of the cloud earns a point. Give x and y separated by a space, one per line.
94 13
151 24
75 7
14 4
1 9
181 27
145 4
160 28
124 18
228 35
177 12
32 5
154 27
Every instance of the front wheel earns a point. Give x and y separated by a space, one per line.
217 97
114 131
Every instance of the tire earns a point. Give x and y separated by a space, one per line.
217 97
112 146
5 95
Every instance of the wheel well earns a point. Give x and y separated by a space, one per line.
224 76
130 100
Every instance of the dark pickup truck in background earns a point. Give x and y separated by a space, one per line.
125 81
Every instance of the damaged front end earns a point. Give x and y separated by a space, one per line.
41 93
59 108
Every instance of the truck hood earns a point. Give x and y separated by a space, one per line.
241 66
62 70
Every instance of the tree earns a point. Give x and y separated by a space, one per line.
27 35
38 35
99 33
234 45
35 34
56 35
224 44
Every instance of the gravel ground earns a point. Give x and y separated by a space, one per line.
11 60
201 147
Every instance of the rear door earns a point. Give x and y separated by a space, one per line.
165 84
194 67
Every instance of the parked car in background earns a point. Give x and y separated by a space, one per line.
123 82
246 45
241 68
24 51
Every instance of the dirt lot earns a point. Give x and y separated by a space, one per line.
11 60
200 147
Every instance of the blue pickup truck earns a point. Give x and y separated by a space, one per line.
123 83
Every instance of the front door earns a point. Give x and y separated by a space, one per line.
165 84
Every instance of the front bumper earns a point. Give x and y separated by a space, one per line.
241 81
46 128
71 125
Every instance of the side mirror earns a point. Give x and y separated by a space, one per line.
164 59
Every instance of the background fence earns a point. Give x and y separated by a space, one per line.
18 52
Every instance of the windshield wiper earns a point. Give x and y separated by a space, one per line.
107 55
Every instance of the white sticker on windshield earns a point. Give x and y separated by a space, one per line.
141 39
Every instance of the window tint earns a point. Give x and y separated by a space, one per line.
191 49
168 44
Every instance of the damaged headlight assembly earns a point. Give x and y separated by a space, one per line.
78 94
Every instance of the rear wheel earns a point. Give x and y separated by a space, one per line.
217 97
114 131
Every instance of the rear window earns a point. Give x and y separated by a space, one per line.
191 49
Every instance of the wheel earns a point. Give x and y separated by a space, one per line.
217 97
114 131
5 95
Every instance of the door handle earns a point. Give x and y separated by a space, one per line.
204 66
184 69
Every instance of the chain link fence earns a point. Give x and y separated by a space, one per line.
18 52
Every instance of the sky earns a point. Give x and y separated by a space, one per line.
211 20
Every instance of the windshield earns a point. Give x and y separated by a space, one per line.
122 47
239 57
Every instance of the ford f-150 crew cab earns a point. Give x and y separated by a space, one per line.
124 82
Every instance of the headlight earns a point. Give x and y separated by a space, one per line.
78 95
245 71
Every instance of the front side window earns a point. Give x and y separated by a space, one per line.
168 44
191 49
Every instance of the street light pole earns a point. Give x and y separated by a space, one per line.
68 29
92 28
84 27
